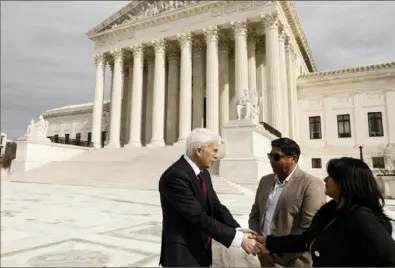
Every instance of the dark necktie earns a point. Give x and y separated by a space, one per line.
204 190
203 185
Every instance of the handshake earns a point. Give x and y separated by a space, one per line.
253 243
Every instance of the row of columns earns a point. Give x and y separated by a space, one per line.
217 82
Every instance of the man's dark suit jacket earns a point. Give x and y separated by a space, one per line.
188 220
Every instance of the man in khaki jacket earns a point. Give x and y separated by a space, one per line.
286 202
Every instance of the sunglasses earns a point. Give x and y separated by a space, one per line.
275 157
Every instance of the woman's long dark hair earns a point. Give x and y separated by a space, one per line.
357 184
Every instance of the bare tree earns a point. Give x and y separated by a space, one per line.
9 155
388 154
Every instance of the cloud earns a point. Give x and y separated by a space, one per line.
46 58
347 34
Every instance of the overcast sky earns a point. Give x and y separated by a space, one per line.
46 58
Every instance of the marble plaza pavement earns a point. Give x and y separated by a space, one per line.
48 225
53 225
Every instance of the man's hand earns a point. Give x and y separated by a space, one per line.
247 230
251 245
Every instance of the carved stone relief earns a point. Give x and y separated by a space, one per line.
235 6
148 8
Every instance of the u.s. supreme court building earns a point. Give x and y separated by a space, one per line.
178 65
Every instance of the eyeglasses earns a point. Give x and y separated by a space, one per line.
275 157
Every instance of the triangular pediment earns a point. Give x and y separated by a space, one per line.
137 10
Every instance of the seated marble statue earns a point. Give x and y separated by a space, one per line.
244 103
38 129
249 104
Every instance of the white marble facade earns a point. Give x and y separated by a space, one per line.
354 107
177 65
187 69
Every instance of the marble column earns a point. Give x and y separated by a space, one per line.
241 57
111 66
129 102
284 83
212 86
261 78
224 79
98 100
292 94
173 86
158 103
198 84
136 97
270 22
124 110
185 112
116 101
149 90
251 43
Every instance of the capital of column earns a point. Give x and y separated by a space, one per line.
270 19
282 34
117 54
185 39
211 33
100 59
287 43
159 45
137 49
292 51
239 27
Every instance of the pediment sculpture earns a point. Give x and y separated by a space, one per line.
248 105
38 129
146 9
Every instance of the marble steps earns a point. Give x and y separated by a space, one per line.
137 168
118 155
219 185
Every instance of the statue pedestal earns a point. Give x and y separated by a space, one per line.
30 152
34 139
33 152
247 146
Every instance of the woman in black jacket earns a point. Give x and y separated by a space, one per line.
349 231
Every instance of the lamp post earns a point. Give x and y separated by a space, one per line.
360 153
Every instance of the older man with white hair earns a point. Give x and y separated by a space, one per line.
192 212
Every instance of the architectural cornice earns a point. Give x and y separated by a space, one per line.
123 21
355 70
293 20
74 109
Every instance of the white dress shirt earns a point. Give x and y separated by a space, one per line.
272 202
239 235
